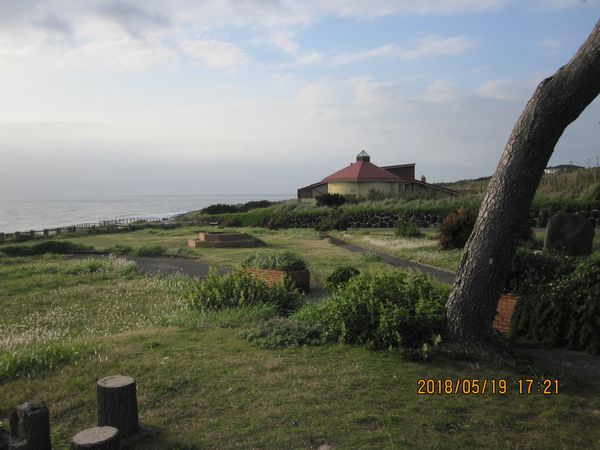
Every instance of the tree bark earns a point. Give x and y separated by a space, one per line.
30 427
117 404
557 101
97 438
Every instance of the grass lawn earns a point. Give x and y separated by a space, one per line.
64 324
421 249
322 257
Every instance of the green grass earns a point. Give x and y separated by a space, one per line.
202 385
422 249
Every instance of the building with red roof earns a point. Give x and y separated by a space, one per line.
362 176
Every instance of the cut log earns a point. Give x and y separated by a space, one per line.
117 404
30 427
97 438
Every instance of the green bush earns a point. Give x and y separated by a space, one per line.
119 249
390 310
239 289
148 250
330 200
55 247
283 332
531 271
340 276
220 208
563 312
275 261
335 220
456 228
405 228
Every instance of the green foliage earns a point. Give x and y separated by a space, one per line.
239 289
41 248
39 358
456 228
283 332
110 265
564 311
335 220
143 250
148 250
531 271
275 261
406 228
376 194
390 310
221 208
370 257
340 276
119 249
330 200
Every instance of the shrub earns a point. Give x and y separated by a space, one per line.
119 249
375 195
390 310
239 289
283 332
405 228
56 247
231 222
370 257
275 261
330 200
148 250
456 228
257 204
531 271
336 220
220 208
340 276
563 312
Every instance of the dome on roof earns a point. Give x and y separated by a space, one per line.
363 156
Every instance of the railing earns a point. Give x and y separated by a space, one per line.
103 226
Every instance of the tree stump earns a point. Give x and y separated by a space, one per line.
97 438
30 427
117 404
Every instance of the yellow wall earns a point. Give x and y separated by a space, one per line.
362 188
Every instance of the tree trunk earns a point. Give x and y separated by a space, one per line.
97 438
117 404
487 256
30 427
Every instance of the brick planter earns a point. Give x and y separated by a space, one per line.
506 307
301 278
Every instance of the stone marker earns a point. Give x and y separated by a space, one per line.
97 438
570 233
117 404
30 427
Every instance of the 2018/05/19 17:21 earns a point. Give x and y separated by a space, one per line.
470 386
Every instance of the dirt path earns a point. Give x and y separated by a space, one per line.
438 274
168 265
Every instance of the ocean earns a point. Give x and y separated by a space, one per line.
24 215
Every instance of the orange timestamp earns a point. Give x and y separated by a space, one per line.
491 386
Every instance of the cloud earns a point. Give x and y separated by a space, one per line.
216 54
500 90
441 91
366 91
548 47
437 46
131 17
352 57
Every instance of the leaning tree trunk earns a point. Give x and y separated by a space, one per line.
487 256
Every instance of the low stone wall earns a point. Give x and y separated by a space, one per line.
506 308
301 278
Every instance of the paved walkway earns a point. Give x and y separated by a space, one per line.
441 275
168 265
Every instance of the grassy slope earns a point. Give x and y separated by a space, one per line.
208 388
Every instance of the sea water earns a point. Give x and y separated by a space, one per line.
37 214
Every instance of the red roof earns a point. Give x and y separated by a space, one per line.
362 171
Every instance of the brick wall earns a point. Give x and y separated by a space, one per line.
301 278
506 307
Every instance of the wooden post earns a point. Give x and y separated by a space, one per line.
117 404
97 438
30 427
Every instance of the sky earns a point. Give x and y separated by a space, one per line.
104 97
